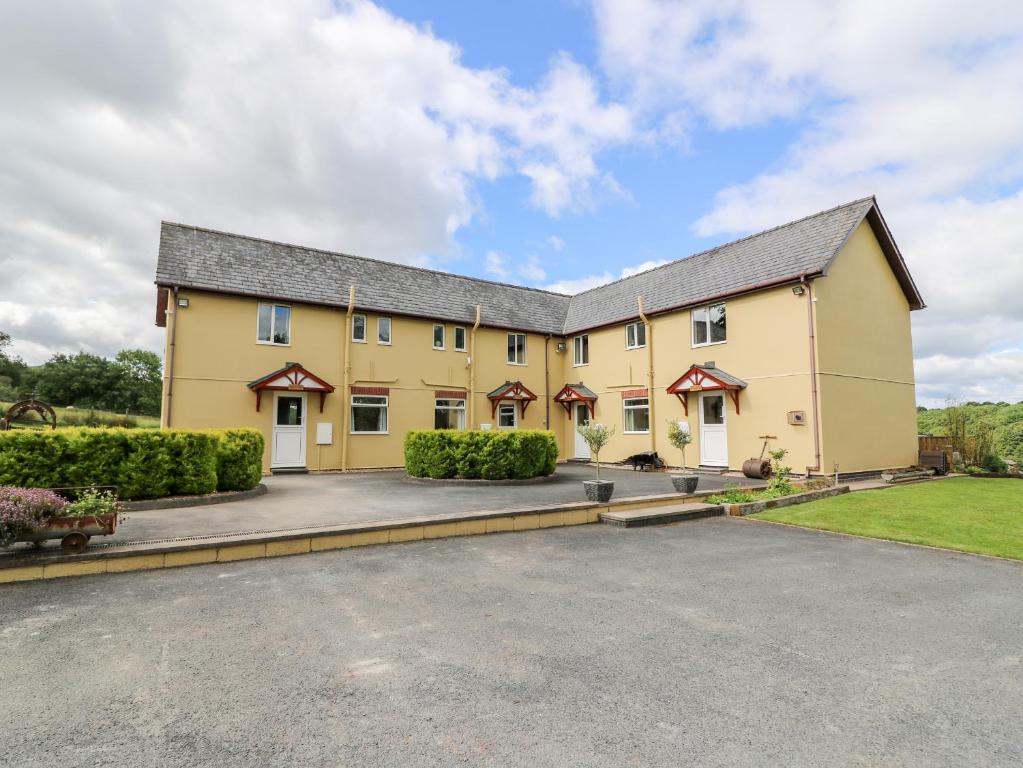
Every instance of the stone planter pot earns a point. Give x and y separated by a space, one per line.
599 490
685 483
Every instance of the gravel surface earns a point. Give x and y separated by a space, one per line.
716 643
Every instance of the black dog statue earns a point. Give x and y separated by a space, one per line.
645 460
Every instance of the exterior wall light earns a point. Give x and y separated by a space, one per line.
798 290
183 303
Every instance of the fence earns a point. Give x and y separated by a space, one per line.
937 443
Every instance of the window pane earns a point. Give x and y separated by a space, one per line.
640 334
282 325
449 414
289 411
358 327
460 339
637 414
630 335
369 400
717 322
506 416
438 336
384 330
714 410
700 326
369 418
263 324
586 350
520 348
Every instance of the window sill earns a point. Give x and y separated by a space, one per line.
627 432
369 433
383 343
641 346
710 344
358 341
579 365
521 365
439 349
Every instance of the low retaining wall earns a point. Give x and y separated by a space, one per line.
752 507
177 502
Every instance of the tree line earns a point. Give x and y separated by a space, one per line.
986 434
128 383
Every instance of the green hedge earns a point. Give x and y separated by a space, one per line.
473 454
142 464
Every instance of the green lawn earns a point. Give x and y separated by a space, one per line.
968 514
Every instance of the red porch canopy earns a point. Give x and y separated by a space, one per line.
291 378
510 390
703 378
576 393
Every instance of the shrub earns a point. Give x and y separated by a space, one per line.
732 494
239 459
22 509
142 464
471 454
92 502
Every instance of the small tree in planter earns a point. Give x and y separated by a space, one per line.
596 437
679 436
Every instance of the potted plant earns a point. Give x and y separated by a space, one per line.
37 514
679 436
596 437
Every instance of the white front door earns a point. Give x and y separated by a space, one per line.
582 419
713 435
288 446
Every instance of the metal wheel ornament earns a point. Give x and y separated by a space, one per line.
20 408
74 543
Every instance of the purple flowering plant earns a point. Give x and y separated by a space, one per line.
22 509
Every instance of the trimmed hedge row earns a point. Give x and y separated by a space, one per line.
143 464
473 454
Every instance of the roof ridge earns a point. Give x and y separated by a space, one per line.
362 258
727 244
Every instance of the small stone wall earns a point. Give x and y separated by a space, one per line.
752 507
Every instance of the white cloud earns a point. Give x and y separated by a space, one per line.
555 243
994 378
531 271
918 102
578 285
337 125
496 265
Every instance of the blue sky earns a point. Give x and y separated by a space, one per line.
555 144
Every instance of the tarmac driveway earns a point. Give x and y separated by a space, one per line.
716 643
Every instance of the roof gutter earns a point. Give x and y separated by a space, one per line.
812 339
346 378
649 371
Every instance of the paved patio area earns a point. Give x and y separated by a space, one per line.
716 643
303 501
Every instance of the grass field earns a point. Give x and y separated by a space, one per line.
76 417
984 516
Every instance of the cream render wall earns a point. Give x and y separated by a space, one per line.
766 346
865 361
216 355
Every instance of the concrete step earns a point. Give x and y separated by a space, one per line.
669 513
289 471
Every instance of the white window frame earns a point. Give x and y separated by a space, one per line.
465 338
692 325
626 407
443 336
525 346
390 331
273 323
515 414
365 328
457 408
386 405
635 327
581 344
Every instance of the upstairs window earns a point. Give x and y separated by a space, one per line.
635 335
383 330
438 336
359 328
448 414
273 325
709 325
459 339
637 415
581 350
517 348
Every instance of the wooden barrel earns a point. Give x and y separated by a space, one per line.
757 468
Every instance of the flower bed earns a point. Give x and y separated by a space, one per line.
35 514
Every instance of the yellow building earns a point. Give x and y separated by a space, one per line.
800 333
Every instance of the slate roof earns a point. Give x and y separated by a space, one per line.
722 376
205 259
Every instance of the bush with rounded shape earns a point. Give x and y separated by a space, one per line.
471 454
239 459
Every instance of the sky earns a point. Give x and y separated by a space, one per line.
556 144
